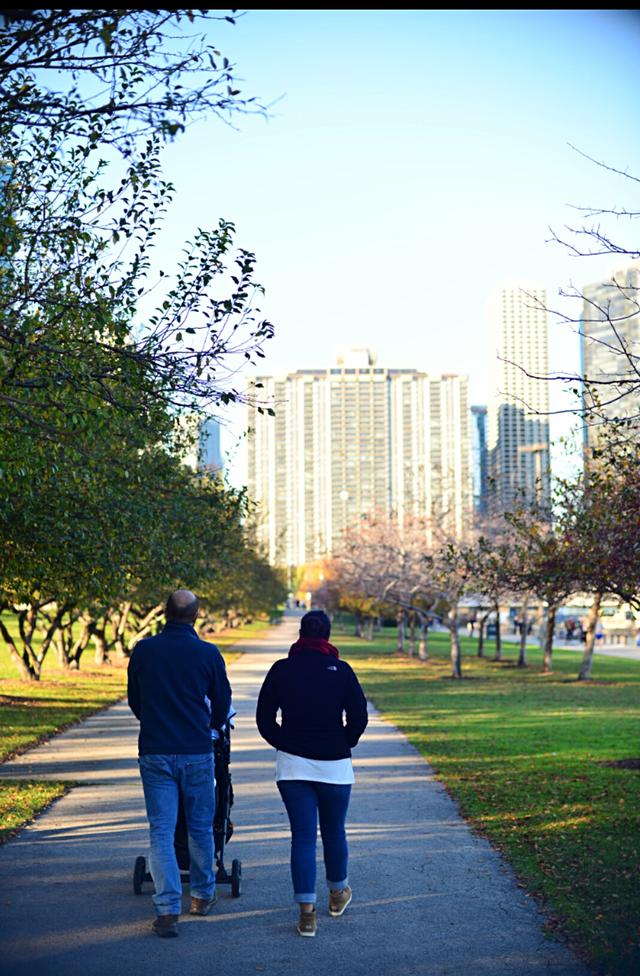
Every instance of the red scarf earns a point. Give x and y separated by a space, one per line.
313 644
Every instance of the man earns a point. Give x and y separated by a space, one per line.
178 689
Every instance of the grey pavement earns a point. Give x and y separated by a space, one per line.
430 897
629 651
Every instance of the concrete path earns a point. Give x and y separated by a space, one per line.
430 898
628 651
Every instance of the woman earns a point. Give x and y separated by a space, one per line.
323 714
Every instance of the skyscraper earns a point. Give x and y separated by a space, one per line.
352 440
479 460
610 349
210 451
199 443
518 408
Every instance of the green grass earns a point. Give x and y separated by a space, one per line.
31 712
522 755
22 800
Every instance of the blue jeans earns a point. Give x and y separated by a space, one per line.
305 801
165 779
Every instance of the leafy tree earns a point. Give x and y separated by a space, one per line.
126 73
604 508
544 564
94 499
241 585
88 100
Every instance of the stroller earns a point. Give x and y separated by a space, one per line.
222 825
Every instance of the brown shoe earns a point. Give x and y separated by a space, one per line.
202 906
307 923
166 926
338 901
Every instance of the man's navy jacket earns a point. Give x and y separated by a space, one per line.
178 688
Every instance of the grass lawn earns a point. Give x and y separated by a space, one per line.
524 756
31 712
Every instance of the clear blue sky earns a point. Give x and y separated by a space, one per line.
413 162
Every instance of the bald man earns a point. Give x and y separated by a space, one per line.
179 691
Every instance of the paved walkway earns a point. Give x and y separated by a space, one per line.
430 898
628 651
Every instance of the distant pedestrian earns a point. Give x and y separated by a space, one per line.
178 689
324 713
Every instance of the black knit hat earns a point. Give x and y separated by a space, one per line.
316 623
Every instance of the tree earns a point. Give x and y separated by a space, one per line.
604 508
490 563
380 564
91 390
87 541
88 100
609 317
544 564
128 73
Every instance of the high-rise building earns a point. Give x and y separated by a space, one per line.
353 440
518 408
610 350
479 460
199 443
210 452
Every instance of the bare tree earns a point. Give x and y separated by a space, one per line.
607 320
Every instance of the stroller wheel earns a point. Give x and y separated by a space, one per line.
236 874
139 873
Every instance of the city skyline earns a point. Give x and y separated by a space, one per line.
412 163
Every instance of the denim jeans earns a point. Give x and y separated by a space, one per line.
306 801
165 779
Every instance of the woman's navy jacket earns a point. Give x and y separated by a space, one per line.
323 707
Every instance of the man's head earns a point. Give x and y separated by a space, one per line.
182 607
316 623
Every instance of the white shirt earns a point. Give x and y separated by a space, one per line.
338 771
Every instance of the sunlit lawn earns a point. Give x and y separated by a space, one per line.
522 754
31 712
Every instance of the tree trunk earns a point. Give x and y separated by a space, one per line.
101 647
547 667
456 658
145 626
590 643
498 655
423 652
358 631
27 623
522 656
61 643
412 635
481 625
400 619
21 661
80 645
120 627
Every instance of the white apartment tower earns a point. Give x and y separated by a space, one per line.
518 407
352 440
610 349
